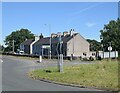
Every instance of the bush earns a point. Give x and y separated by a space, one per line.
74 58
85 59
91 58
99 58
80 58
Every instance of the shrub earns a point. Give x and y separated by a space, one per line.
91 58
80 58
99 58
85 59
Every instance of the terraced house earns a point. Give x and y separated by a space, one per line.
27 45
73 44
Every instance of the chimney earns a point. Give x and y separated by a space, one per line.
36 37
53 35
59 34
65 33
72 32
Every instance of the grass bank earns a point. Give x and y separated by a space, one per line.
103 75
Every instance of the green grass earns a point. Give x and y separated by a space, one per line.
103 75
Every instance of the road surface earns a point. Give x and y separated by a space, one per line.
14 76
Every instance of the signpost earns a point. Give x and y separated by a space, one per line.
110 49
60 55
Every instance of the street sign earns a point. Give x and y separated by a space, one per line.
110 48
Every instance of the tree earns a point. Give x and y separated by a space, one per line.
0 47
94 45
18 36
111 34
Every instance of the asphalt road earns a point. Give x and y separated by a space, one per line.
14 76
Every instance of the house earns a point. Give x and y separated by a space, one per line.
73 44
27 45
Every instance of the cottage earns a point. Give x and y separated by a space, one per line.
73 44
27 45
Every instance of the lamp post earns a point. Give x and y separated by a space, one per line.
50 38
102 45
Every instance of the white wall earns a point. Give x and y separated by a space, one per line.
106 54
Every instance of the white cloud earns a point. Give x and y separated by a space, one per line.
90 24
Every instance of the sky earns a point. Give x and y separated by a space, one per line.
86 18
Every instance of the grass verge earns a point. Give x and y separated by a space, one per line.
103 75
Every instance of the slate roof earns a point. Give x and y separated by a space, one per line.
46 41
28 42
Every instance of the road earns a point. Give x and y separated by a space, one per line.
14 76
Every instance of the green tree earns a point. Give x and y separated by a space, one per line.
94 45
0 47
111 34
18 36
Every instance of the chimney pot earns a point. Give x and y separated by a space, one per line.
53 35
65 33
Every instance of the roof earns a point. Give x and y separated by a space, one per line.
46 41
28 42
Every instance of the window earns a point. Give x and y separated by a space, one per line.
84 54
93 54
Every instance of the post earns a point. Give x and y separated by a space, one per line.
110 48
73 41
40 58
13 45
58 63
115 54
50 39
102 41
42 51
60 55
61 62
103 51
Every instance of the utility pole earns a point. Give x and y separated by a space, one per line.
13 45
50 39
103 50
102 40
73 42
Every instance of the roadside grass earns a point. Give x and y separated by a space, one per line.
102 74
